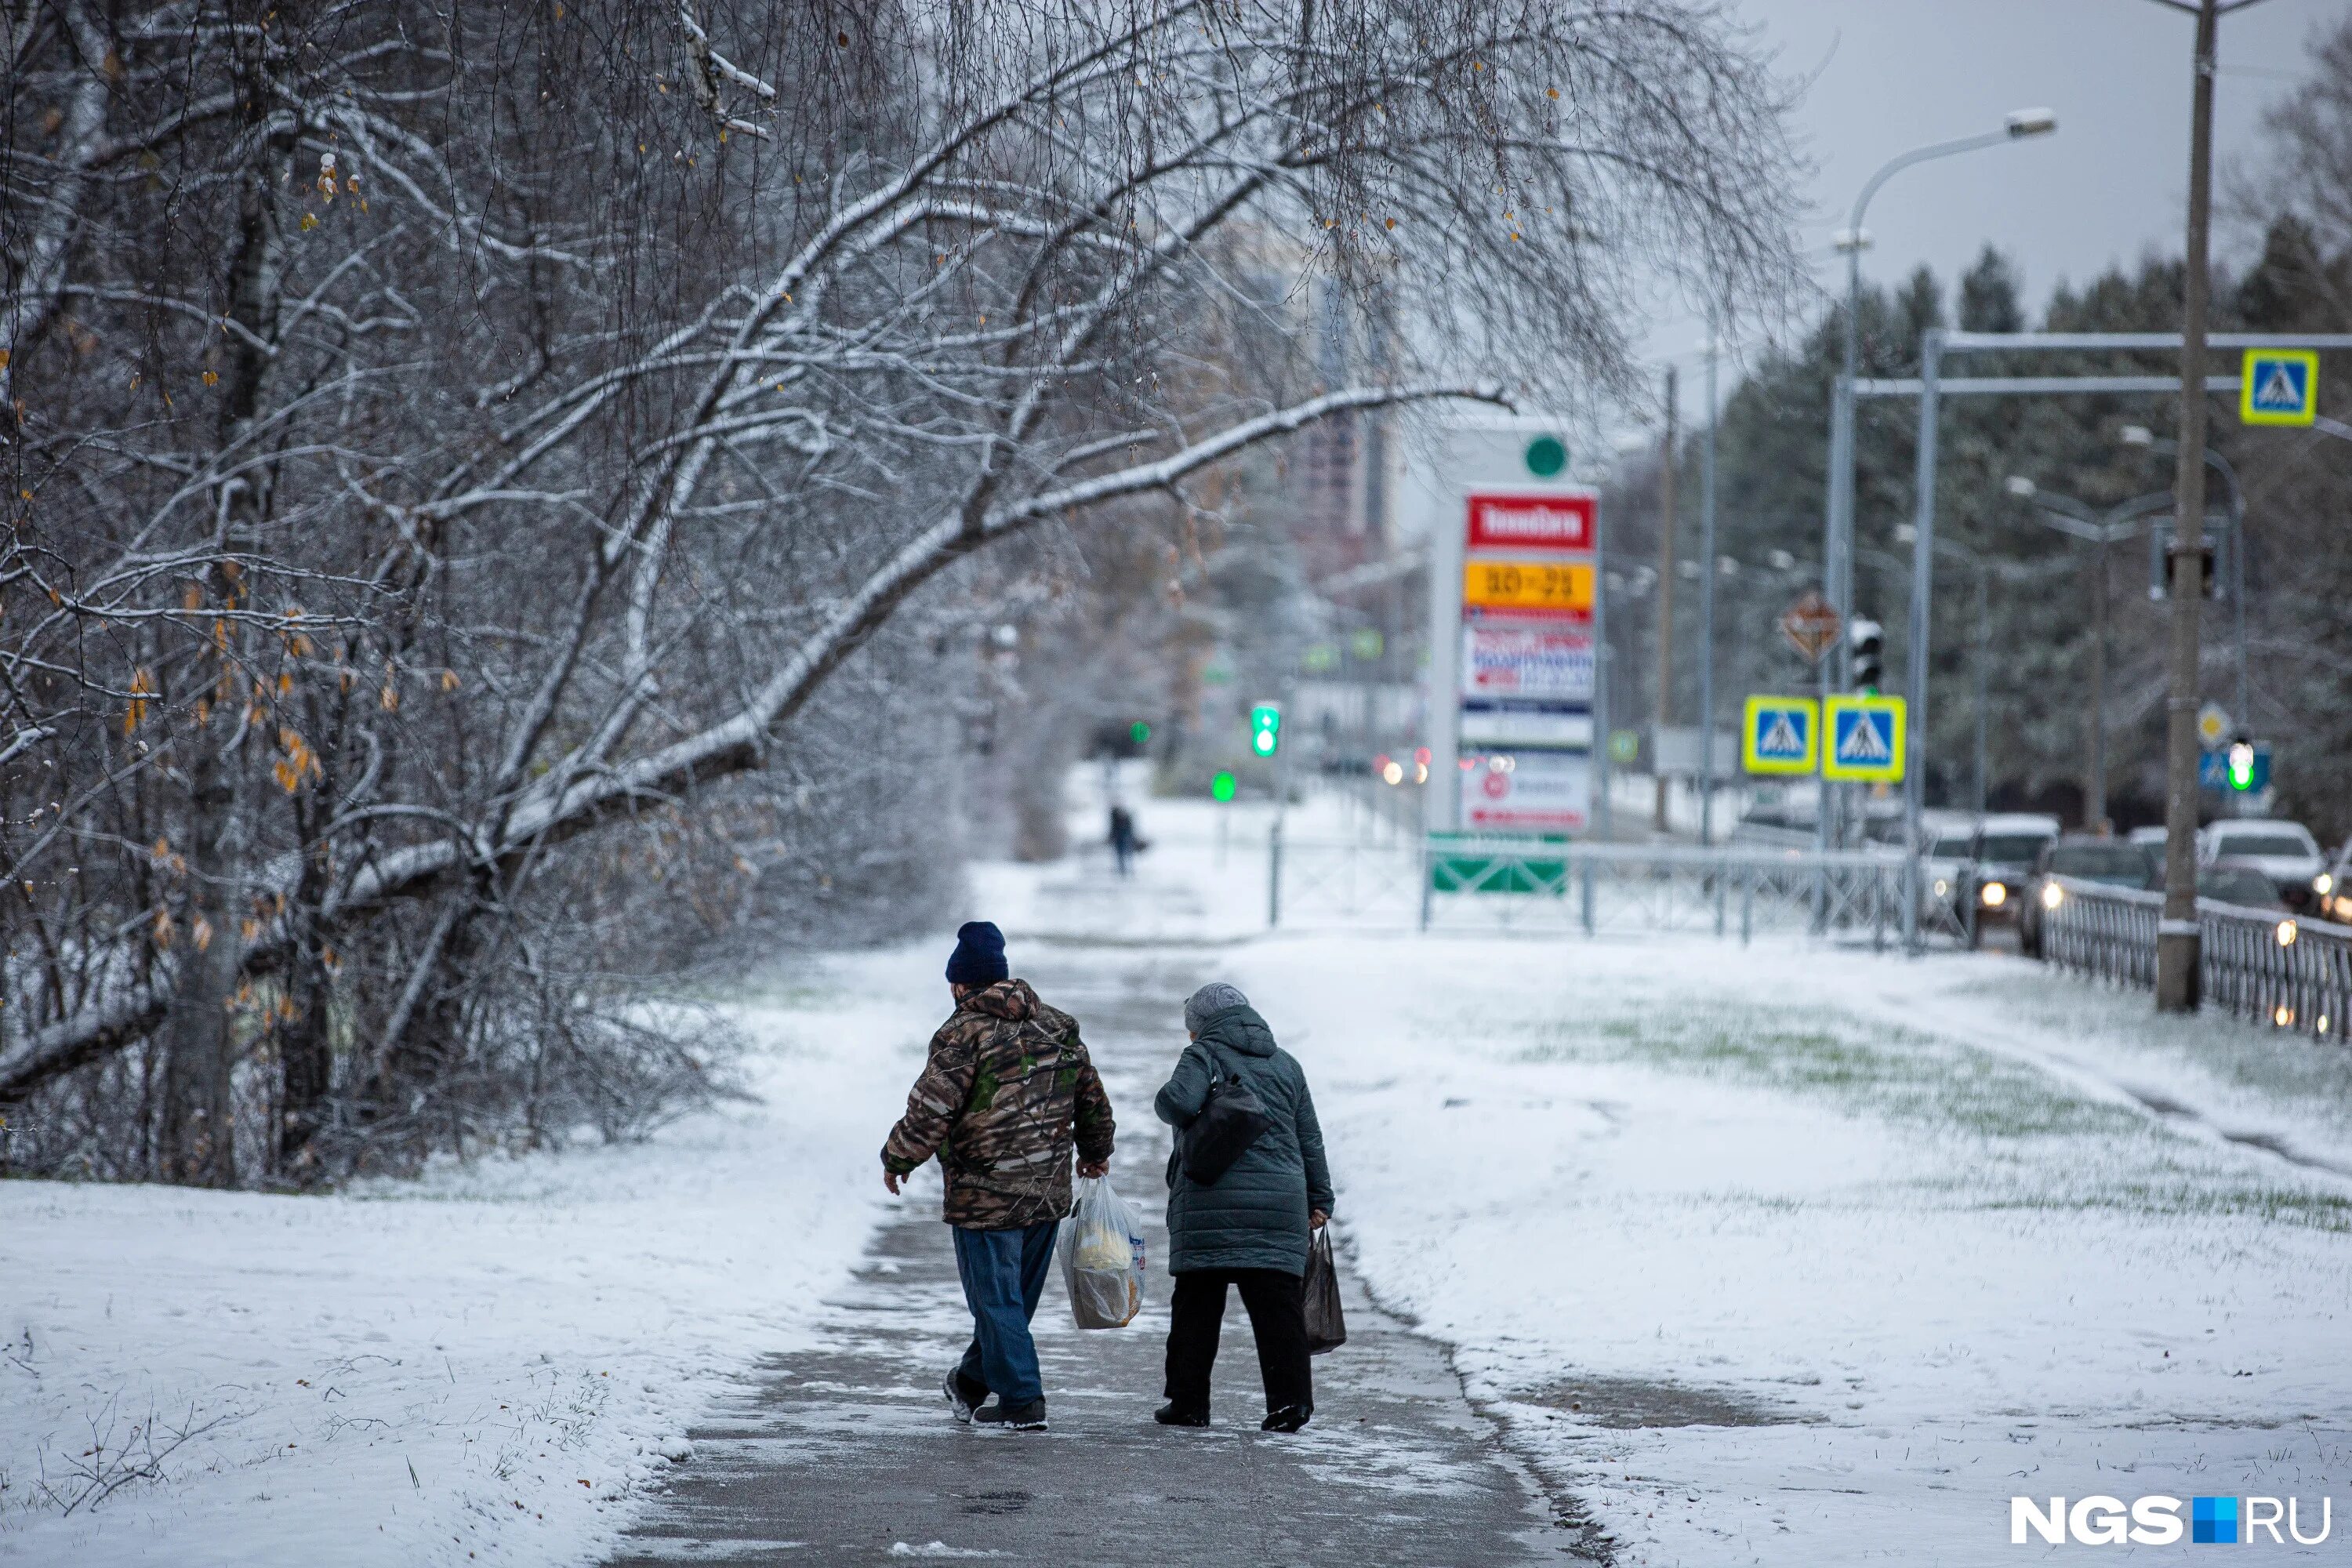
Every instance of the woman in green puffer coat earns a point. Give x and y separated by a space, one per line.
1252 1228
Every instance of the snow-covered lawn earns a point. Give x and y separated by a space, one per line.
1791 1255
477 1367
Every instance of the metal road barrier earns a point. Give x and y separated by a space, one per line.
2290 973
1455 882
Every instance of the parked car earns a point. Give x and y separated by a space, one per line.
2246 886
2331 890
2005 847
2111 862
2152 837
1947 845
2286 852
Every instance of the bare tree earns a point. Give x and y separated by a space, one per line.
455 449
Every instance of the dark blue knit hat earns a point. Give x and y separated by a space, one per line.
979 956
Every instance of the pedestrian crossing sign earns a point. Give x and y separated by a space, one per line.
1865 739
1781 735
2280 386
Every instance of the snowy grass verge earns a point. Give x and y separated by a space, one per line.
1786 1254
491 1364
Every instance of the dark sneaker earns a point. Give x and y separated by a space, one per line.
962 1400
1289 1418
1029 1417
1170 1414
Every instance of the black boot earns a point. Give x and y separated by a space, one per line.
1289 1418
1173 1415
1029 1417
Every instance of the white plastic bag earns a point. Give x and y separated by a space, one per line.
1102 1256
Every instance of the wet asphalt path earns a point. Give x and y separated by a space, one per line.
849 1455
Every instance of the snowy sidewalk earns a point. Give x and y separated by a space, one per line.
847 1455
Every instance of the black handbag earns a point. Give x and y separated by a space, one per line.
1326 1325
1231 1119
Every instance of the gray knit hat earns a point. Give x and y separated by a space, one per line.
1210 1000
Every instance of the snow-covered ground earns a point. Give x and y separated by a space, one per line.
1795 1255
1806 1258
484 1366
1778 1254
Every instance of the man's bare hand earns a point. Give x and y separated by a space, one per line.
890 1179
1092 1168
1317 1219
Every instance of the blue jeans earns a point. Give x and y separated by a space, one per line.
1004 1274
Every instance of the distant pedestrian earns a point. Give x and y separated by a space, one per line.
1007 1091
1123 840
1250 1227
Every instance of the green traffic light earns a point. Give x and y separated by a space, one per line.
1266 728
2241 766
1220 788
1138 731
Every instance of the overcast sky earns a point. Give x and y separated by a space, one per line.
1883 76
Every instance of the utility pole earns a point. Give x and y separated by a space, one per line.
1707 605
2095 808
2177 943
1982 662
1665 709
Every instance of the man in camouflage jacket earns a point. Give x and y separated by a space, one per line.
1006 1091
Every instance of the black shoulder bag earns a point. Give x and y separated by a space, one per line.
1231 1119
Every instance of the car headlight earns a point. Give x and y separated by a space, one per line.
1993 895
1942 887
2323 884
2052 895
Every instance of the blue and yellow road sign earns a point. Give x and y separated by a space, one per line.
2280 386
1865 738
1781 735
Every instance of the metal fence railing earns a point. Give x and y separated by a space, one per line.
2258 964
1471 882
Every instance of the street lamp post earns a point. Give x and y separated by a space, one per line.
1666 513
1837 555
1980 655
1706 606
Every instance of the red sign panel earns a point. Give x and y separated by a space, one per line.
1531 521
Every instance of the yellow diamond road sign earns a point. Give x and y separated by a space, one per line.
2280 386
1863 739
1781 735
2212 725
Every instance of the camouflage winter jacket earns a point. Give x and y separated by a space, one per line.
1007 1090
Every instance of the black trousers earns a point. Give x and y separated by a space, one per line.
1196 1312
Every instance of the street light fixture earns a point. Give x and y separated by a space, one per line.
1837 557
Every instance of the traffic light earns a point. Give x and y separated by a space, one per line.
1222 787
1266 728
1866 640
2160 565
1139 731
2241 763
